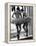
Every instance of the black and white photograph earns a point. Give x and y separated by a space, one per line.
21 22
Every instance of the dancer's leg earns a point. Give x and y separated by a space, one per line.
25 27
17 32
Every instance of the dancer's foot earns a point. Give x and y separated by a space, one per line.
18 37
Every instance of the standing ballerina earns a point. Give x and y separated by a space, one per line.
18 15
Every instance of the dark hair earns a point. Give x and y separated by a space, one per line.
18 8
22 8
13 8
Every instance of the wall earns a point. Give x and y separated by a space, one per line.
2 23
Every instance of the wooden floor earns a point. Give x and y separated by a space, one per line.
28 38
24 38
